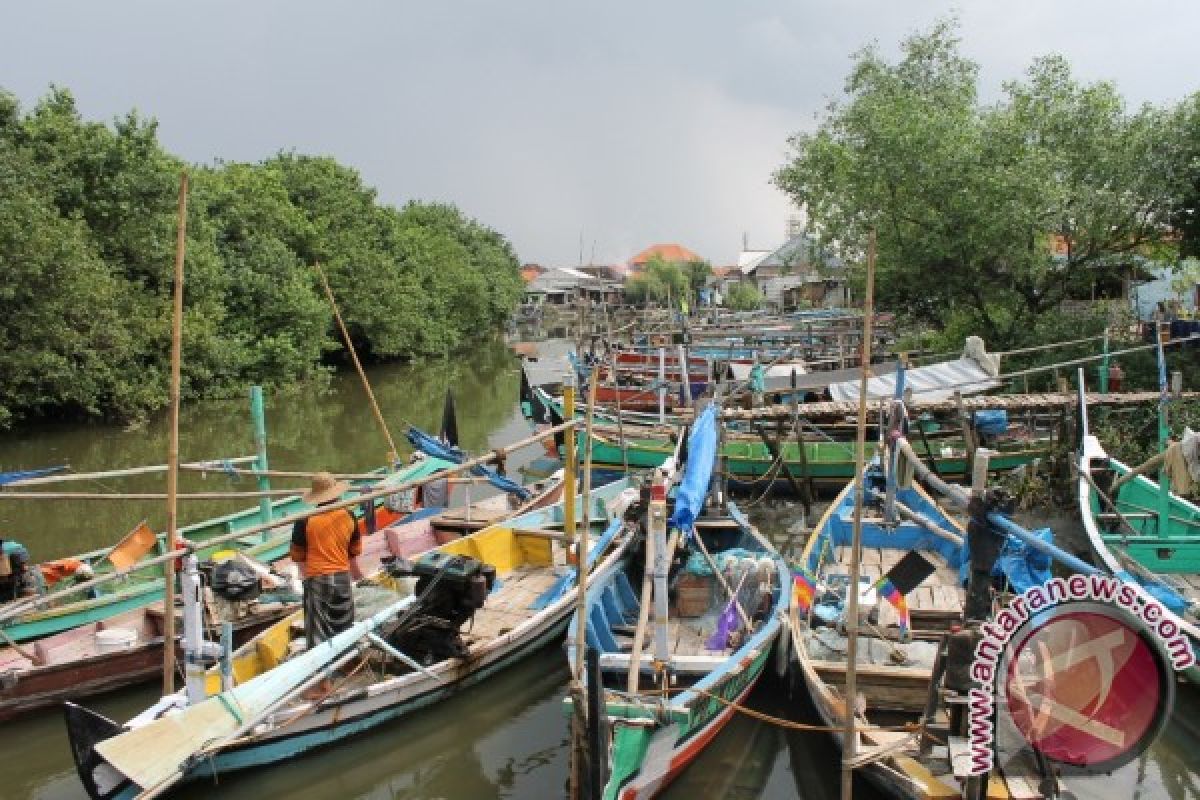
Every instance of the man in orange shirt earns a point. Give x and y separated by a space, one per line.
322 546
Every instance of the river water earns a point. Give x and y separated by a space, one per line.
505 739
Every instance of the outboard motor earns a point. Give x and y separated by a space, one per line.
449 590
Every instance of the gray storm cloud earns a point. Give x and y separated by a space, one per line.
628 123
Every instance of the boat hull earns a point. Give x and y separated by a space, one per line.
41 687
353 718
1172 553
826 463
147 588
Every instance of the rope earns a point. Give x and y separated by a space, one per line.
1051 346
770 719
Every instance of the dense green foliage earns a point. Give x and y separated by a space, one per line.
743 297
969 199
87 238
665 281
1186 218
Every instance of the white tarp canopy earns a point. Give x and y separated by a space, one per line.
975 372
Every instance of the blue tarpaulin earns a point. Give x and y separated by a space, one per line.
702 455
993 422
1022 565
20 475
1159 591
431 446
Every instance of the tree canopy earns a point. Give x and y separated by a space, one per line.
666 281
87 236
987 215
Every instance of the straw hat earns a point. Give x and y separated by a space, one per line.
324 488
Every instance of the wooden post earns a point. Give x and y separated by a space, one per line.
968 430
582 571
620 417
850 738
393 454
685 377
570 462
1104 365
662 386
173 445
259 417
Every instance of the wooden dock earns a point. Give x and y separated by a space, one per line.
1007 402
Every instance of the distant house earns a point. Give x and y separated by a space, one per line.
671 253
1166 284
529 272
564 286
800 274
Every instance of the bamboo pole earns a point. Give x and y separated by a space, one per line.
199 466
258 417
570 462
393 454
581 619
849 740
151 495
18 608
173 444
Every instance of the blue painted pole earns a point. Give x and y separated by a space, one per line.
259 418
1057 553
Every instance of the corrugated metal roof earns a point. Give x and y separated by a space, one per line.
929 384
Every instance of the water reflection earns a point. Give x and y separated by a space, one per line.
306 430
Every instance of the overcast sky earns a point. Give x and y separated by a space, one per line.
627 122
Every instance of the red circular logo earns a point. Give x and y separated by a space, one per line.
1087 688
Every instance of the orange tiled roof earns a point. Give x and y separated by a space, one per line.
669 252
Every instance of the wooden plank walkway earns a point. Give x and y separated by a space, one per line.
1009 402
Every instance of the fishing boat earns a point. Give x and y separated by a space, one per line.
143 587
1137 528
826 463
128 648
511 582
117 651
893 676
667 703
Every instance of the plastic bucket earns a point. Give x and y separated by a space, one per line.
115 640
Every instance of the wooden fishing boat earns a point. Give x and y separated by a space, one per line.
655 735
748 459
117 651
127 649
144 587
826 463
893 677
396 660
653 740
643 398
1140 530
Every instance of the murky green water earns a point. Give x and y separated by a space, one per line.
505 739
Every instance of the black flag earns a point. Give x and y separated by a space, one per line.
449 421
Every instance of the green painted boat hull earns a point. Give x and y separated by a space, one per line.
1170 550
824 462
142 589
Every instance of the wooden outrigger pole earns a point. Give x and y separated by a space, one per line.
850 737
173 446
393 453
